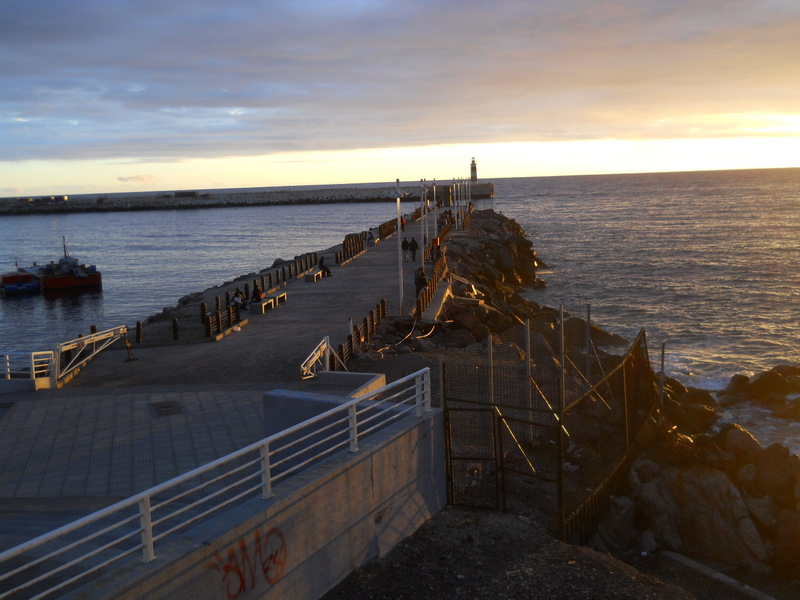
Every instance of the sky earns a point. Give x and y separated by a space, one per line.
132 95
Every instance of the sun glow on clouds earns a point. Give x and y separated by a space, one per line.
443 163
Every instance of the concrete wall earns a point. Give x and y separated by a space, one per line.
318 527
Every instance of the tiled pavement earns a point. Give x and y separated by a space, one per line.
70 451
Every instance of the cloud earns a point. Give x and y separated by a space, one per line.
138 179
161 81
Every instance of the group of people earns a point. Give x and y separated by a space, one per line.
239 298
409 248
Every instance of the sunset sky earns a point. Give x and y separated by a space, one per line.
115 96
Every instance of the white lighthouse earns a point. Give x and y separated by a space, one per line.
473 170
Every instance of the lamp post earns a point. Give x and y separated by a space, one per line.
399 249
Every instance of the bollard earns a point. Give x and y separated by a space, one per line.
203 311
175 328
227 299
139 326
209 326
93 329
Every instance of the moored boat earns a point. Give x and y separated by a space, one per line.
65 274
21 281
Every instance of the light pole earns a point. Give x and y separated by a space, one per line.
399 249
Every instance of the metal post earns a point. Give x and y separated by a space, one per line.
266 477
528 358
146 524
491 368
426 382
562 509
353 428
399 254
588 373
661 377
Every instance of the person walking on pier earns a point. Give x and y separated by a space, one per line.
413 246
420 281
404 247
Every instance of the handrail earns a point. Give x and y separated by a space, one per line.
84 349
319 357
203 491
26 365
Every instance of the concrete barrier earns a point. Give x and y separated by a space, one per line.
317 528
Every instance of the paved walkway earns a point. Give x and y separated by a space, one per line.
100 438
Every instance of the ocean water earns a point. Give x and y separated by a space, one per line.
707 262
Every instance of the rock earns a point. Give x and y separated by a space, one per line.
764 511
786 543
691 418
737 383
776 474
767 386
457 338
699 511
736 440
617 528
648 542
789 410
697 396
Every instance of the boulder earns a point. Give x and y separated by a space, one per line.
767 386
739 442
701 512
776 475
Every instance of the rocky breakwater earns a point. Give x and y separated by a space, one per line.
708 491
714 492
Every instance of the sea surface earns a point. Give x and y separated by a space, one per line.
708 263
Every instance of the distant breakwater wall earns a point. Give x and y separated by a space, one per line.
200 199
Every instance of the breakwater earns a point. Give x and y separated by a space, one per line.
194 199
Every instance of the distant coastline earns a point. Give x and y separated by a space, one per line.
194 199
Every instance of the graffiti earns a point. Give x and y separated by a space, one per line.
246 564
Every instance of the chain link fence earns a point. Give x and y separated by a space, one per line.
539 419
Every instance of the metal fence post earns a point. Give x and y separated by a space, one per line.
353 428
562 509
266 476
661 377
491 368
146 523
589 346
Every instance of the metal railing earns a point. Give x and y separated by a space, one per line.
73 354
26 365
70 554
319 359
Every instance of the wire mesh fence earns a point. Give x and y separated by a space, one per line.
540 419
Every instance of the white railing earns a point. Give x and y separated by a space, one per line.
319 359
66 556
26 365
75 353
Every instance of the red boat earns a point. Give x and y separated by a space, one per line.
66 274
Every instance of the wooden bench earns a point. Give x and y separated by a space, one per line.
314 276
267 302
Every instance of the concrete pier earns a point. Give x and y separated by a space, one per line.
69 451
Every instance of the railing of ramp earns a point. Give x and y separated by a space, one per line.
69 556
26 365
73 354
